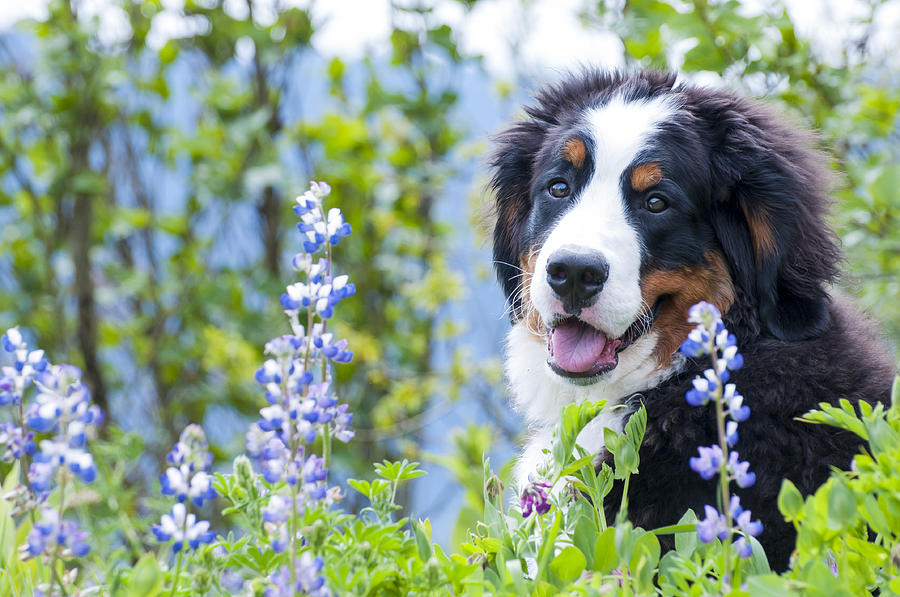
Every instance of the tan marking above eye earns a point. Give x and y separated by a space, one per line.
574 151
645 176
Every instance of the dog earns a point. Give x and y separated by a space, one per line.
622 199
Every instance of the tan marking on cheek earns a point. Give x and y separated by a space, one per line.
574 151
528 313
683 288
761 233
645 176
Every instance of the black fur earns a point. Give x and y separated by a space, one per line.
730 159
779 381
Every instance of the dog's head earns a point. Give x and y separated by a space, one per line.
622 200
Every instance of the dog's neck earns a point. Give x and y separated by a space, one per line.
539 394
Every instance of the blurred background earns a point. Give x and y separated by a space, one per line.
151 150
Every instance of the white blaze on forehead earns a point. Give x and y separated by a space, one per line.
620 130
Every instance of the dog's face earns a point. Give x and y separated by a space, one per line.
612 209
622 202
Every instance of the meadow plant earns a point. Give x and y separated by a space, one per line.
283 536
47 440
711 339
297 382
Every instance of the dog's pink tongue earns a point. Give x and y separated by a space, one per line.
576 346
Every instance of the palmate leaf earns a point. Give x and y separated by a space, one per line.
398 471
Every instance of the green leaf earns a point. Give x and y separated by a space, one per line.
768 585
398 471
568 564
583 535
626 460
361 486
147 578
548 544
874 516
605 557
636 426
882 437
422 531
577 465
611 440
686 543
758 563
646 547
790 502
842 510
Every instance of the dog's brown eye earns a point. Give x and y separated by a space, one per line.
656 204
558 188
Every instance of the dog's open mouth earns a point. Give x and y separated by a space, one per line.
580 350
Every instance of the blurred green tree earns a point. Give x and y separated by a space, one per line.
148 191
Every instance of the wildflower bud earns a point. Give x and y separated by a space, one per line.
258 587
432 573
243 472
493 487
365 550
202 581
316 535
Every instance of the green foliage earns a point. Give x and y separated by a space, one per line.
111 272
852 522
115 274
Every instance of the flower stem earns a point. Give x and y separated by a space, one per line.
724 481
326 446
177 570
62 506
24 464
623 507
292 529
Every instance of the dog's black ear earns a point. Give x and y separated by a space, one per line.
513 163
768 211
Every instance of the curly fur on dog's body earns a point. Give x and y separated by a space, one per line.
744 228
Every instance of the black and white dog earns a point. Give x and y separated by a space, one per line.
622 200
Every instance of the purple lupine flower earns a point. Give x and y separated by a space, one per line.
308 580
301 403
342 422
191 450
534 496
743 547
742 520
715 525
703 389
18 442
710 337
737 410
50 532
709 461
695 345
62 407
336 227
180 527
189 477
27 365
731 434
275 515
740 471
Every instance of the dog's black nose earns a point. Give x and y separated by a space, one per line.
577 276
